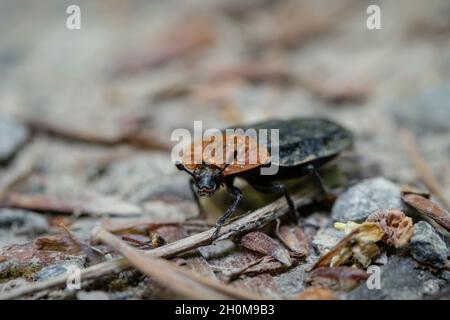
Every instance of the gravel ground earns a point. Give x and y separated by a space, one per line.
70 98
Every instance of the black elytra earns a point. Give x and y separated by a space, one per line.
305 144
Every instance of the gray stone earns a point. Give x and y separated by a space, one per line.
60 268
22 221
12 136
326 238
292 282
370 195
399 280
427 247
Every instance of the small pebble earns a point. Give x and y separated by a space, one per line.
23 222
427 247
59 269
370 195
326 238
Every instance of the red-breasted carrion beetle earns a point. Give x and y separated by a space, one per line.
304 145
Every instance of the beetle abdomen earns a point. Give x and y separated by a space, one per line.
306 139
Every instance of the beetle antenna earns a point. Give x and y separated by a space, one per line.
223 169
229 161
182 167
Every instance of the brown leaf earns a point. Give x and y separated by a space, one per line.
71 204
59 242
293 237
262 265
316 293
337 278
260 242
426 207
170 233
68 243
235 263
398 228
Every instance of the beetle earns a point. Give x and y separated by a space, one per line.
305 144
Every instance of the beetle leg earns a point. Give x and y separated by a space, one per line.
196 198
237 194
317 178
278 187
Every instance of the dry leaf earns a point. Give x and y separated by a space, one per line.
425 206
260 242
293 237
357 246
170 233
68 243
367 231
398 228
316 293
233 264
337 278
363 252
59 242
258 266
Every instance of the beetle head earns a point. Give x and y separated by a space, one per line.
207 179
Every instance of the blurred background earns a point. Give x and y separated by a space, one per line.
92 110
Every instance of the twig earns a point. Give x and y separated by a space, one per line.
422 170
128 225
70 204
171 276
252 221
137 137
